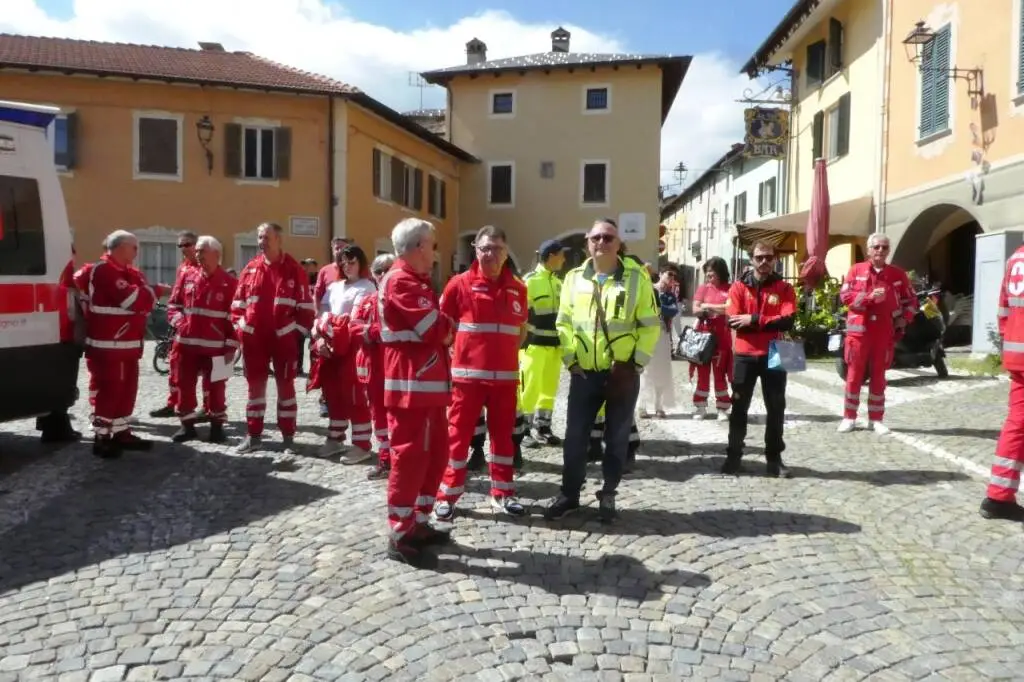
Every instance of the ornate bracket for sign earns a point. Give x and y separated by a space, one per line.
778 92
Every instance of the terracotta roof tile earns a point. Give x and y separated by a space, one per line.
213 67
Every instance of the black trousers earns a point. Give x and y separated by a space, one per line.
747 369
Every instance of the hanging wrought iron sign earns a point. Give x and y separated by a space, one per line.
767 132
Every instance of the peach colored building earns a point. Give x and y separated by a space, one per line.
157 140
954 162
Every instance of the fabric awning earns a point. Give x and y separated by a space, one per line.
853 218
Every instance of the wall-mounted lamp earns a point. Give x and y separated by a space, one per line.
916 46
204 131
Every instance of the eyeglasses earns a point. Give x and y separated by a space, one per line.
764 258
603 238
879 247
186 245
490 249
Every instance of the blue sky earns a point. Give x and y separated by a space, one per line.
377 44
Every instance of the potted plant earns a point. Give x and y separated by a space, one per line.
817 314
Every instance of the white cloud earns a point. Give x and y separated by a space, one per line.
321 37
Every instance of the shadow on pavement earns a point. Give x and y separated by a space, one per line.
883 477
930 379
146 502
21 450
615 575
984 434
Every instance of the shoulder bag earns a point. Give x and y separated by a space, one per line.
622 375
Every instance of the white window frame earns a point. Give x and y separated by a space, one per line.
607 182
831 133
1017 43
137 116
597 112
243 239
160 236
939 18
256 124
502 91
51 137
408 200
386 154
490 174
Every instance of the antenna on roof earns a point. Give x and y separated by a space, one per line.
417 81
211 47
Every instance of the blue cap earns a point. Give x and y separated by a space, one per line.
549 247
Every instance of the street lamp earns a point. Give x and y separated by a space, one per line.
915 46
204 131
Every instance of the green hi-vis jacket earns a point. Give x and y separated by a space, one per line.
543 292
631 314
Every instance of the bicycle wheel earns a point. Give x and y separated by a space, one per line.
161 363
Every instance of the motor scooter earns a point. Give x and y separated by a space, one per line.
920 346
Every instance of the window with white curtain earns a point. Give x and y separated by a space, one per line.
158 261
247 252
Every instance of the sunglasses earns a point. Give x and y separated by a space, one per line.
762 258
602 238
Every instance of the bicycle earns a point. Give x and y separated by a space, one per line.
162 351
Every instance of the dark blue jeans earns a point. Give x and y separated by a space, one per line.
586 394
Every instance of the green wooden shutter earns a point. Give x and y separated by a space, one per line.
843 136
1020 55
927 125
940 95
817 136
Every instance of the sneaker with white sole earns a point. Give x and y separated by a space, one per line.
356 455
507 504
444 511
723 415
880 428
330 448
846 426
700 412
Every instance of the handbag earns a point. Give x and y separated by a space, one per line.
622 375
697 346
786 356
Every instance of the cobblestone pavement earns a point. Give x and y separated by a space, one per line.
195 563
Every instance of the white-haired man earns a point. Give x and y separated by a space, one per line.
417 388
199 310
120 300
881 303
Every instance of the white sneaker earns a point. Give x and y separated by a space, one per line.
330 448
700 412
356 456
880 428
846 426
723 415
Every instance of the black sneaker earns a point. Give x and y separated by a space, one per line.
530 442
545 436
778 470
106 448
560 508
444 512
164 412
186 433
132 443
403 552
217 433
606 506
477 460
1006 511
507 504
732 466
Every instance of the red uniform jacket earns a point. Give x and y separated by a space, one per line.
332 346
200 311
771 303
1011 312
119 302
365 328
490 315
272 301
868 317
413 332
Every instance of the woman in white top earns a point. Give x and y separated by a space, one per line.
342 296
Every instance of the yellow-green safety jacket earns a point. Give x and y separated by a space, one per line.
543 293
631 314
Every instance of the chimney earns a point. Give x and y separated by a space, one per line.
560 40
476 51
211 47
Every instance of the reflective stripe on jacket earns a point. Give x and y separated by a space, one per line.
365 327
1011 312
868 317
543 294
199 310
489 316
631 315
120 300
272 299
413 332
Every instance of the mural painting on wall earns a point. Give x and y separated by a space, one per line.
767 132
982 137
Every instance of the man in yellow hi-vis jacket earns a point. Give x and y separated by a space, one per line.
540 361
608 325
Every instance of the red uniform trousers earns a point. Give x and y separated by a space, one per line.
721 367
173 385
1009 459
379 414
867 356
257 354
346 401
116 379
468 398
90 367
190 366
419 453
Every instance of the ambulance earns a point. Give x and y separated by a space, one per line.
38 350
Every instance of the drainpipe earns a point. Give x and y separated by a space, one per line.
883 141
331 200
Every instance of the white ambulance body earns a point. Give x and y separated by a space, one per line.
38 353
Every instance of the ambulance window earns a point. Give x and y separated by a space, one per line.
22 240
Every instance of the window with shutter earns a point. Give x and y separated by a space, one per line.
259 153
397 181
935 64
761 197
843 134
595 183
432 195
817 136
816 58
1020 54
501 185
835 46
63 138
377 163
158 147
233 150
